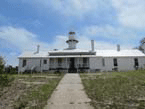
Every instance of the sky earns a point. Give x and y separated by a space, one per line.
26 23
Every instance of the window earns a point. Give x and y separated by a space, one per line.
44 61
136 62
84 60
115 62
24 63
103 62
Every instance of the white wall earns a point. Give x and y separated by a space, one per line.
45 66
30 62
95 63
108 64
20 65
124 63
127 63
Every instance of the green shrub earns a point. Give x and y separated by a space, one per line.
58 72
4 80
1 67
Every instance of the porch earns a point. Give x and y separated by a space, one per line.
71 64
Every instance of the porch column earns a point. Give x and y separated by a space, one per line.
78 62
89 64
66 65
77 65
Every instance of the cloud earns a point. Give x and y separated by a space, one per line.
85 43
59 42
77 8
24 40
33 23
130 12
17 40
120 34
20 38
10 58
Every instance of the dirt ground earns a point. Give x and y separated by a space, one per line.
21 86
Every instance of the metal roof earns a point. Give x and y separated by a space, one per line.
121 53
32 54
99 53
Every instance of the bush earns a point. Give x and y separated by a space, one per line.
58 72
11 70
4 80
1 67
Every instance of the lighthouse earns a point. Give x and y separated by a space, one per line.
72 40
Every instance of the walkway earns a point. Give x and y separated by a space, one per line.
69 94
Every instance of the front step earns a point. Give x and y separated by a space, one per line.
72 70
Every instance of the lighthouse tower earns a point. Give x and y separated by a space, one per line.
72 41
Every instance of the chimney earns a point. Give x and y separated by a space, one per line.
92 45
38 46
118 47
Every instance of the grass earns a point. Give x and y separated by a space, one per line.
29 91
5 80
118 90
37 98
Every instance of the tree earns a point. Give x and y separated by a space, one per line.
11 70
142 41
141 49
142 45
4 80
1 65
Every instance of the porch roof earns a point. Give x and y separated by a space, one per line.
72 56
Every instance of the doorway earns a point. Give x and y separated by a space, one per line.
72 68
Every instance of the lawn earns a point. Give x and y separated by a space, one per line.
116 90
28 91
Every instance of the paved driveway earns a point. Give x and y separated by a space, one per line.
69 94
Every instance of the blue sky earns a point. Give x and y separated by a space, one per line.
26 23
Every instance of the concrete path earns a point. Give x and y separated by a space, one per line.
69 94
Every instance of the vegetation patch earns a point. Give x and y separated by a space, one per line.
116 90
25 93
5 81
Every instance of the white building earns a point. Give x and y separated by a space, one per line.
78 60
